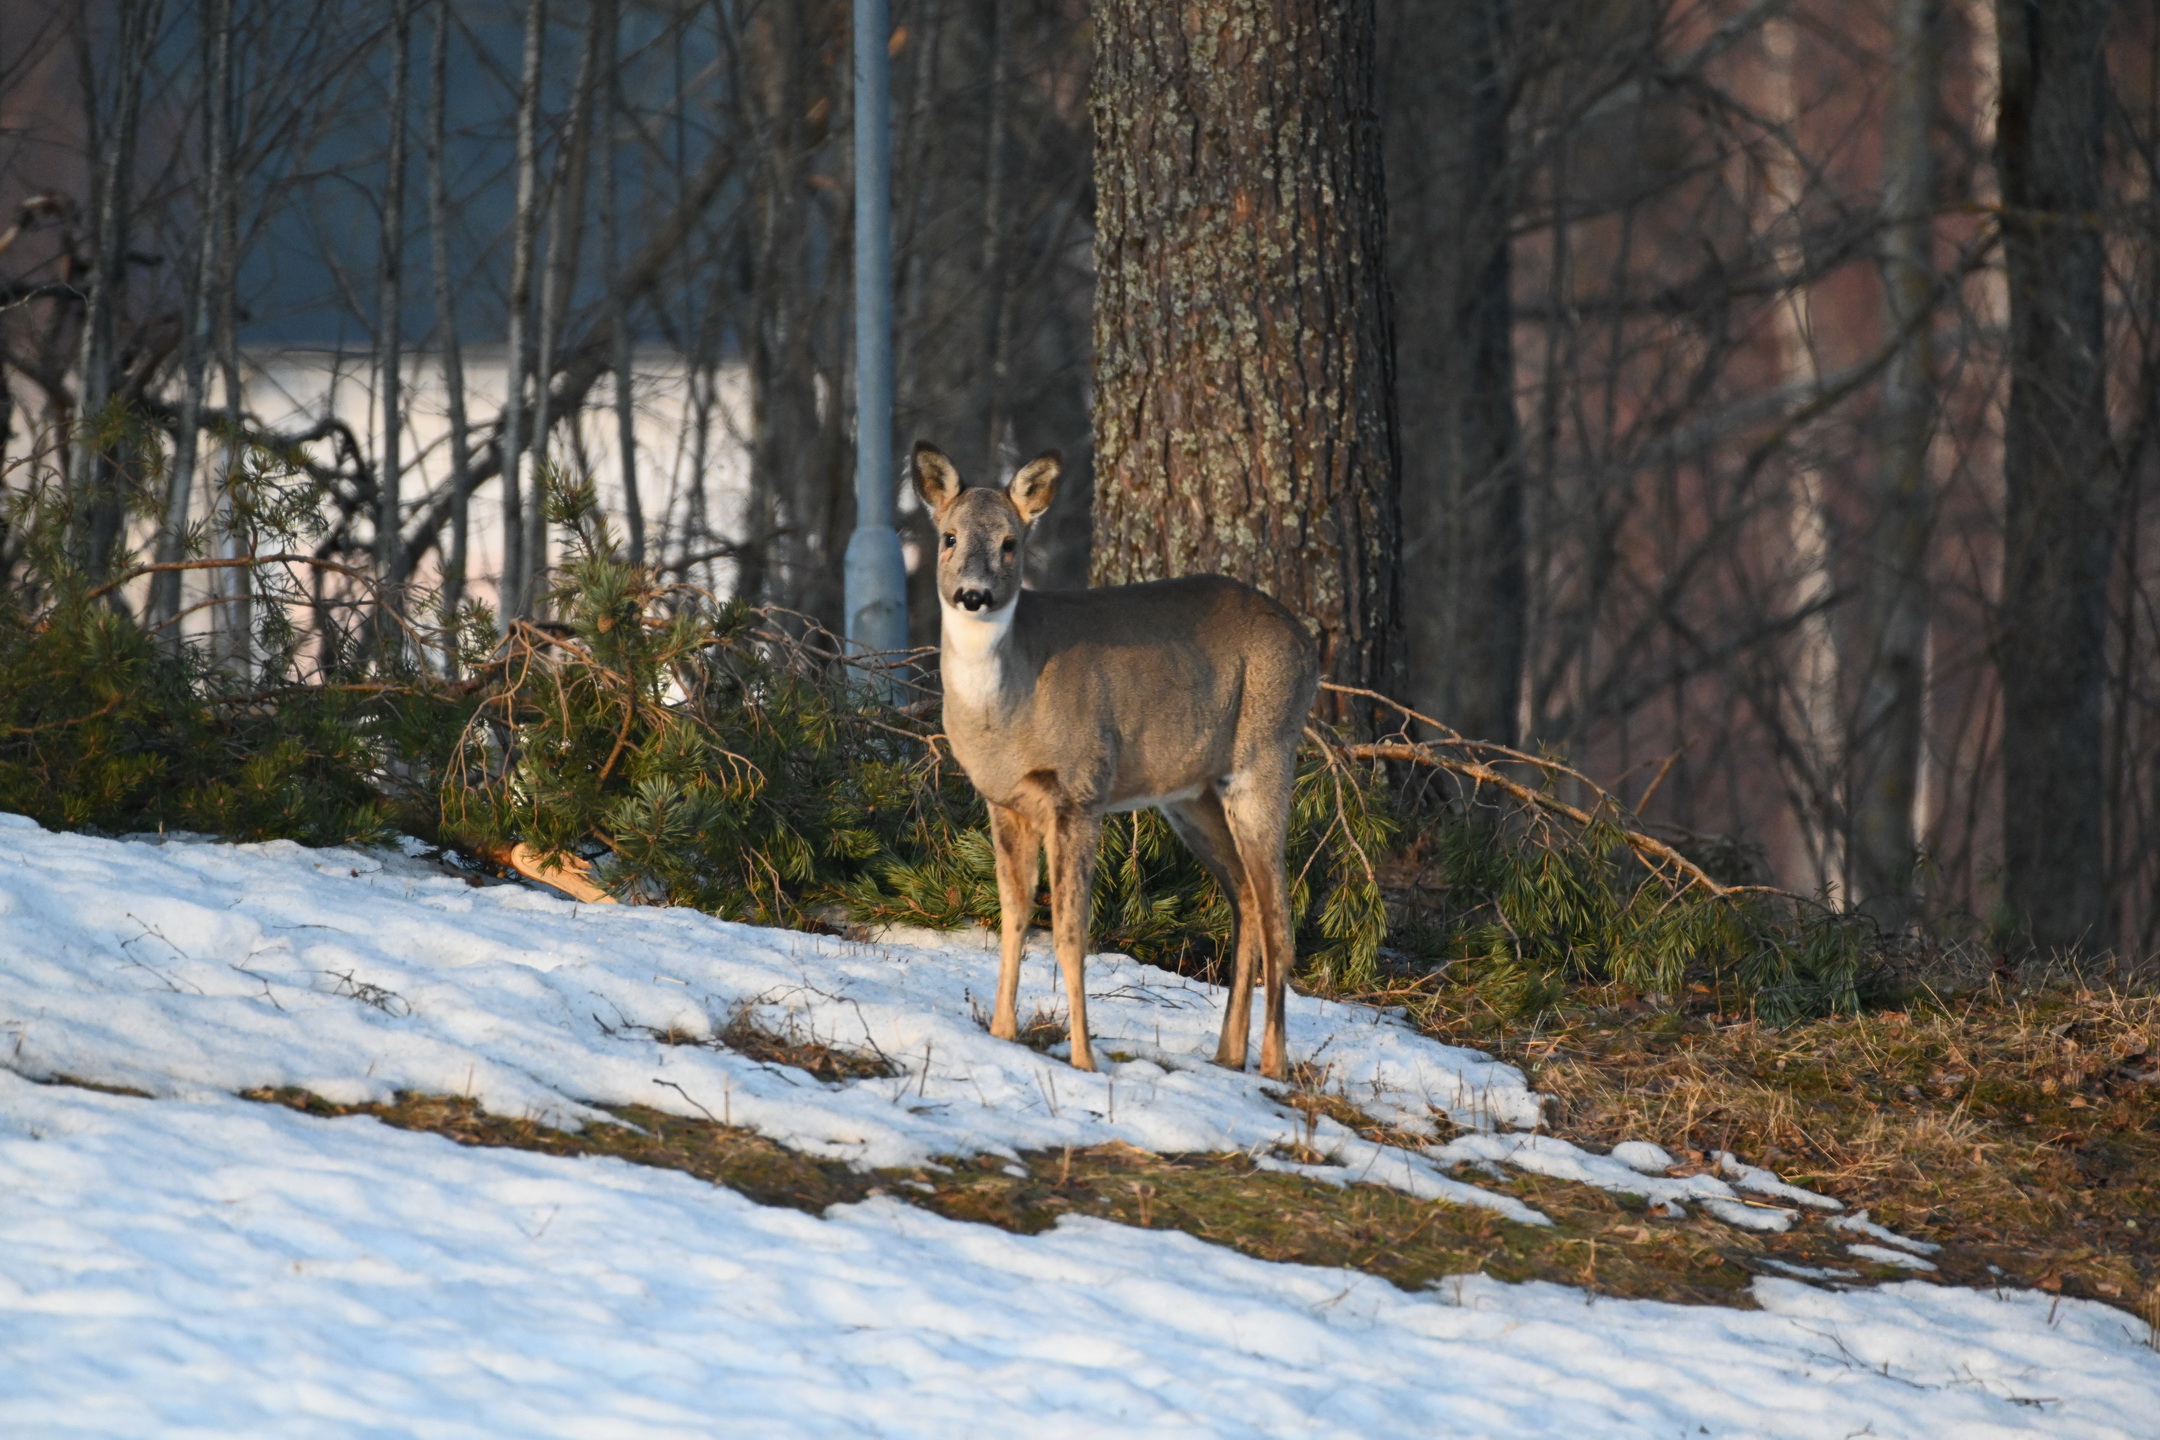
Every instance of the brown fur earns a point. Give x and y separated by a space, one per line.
1063 706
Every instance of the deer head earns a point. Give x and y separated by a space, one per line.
981 532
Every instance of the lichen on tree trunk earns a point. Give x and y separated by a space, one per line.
1244 417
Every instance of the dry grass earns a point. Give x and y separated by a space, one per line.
749 1034
2019 1128
1606 1243
749 1031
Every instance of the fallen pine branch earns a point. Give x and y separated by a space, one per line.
1653 851
567 873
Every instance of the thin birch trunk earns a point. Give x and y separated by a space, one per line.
165 587
1892 644
1814 760
516 596
453 356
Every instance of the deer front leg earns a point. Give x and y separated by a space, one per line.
1073 836
1017 843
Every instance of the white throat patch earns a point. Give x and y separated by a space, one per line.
969 648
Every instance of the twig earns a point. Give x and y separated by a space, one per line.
1647 846
687 1096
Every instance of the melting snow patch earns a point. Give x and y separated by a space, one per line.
1859 1224
1806 1272
1642 1155
1758 1181
1549 1155
1884 1255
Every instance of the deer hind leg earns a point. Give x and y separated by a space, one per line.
1257 806
1200 823
1017 841
1073 836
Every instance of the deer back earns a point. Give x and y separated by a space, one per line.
1129 694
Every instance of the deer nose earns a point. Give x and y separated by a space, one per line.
972 600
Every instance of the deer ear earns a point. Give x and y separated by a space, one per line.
1035 486
935 478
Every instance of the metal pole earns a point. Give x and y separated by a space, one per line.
876 580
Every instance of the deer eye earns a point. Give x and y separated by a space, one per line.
1007 547
951 540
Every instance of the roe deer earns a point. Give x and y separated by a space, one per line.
1063 706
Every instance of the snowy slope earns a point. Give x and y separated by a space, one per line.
195 1264
218 1268
187 969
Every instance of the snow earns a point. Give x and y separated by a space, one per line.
1756 1180
195 1264
1642 1155
220 1268
1859 1224
191 969
1884 1255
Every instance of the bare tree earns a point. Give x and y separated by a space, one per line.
521 567
97 482
1704 306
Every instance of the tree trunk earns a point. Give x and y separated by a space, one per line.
566 233
1465 590
99 504
994 223
519 568
453 355
1810 723
232 617
389 341
199 335
796 526
2055 470
618 304
1244 400
1890 649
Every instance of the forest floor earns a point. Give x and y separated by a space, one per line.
2018 1124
